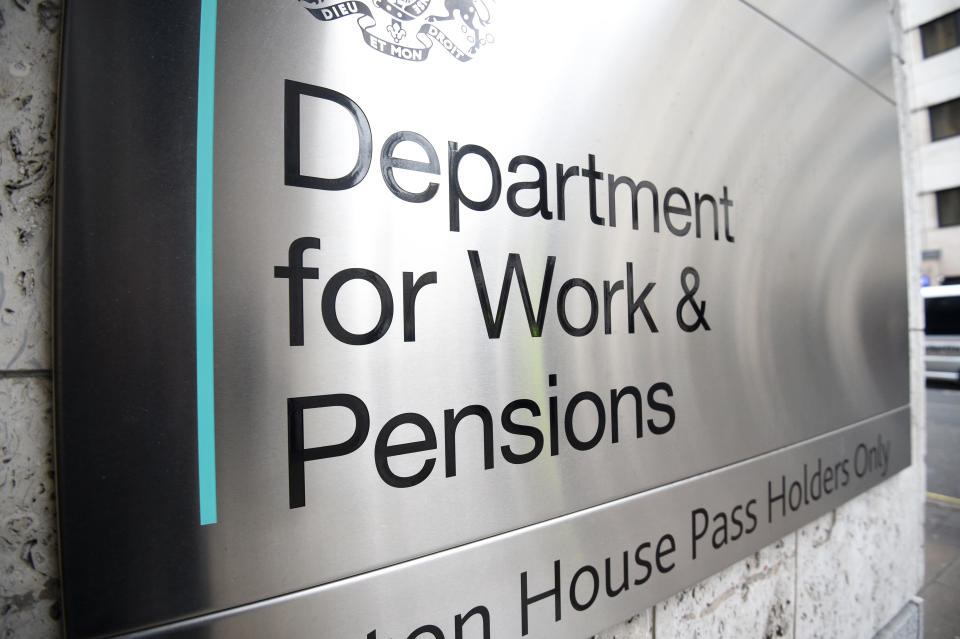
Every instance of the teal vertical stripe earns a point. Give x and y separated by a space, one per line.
206 446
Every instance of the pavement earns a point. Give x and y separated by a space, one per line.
941 591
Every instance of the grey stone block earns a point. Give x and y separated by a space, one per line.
29 586
752 598
637 627
908 624
857 565
29 51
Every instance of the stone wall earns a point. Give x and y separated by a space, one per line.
29 49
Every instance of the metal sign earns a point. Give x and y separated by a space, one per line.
462 319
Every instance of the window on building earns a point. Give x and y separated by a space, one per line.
942 314
941 34
948 207
945 120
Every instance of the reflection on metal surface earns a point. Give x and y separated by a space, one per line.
572 576
829 27
804 305
485 310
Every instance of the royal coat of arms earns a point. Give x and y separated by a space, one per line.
409 29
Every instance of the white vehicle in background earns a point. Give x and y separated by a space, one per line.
942 308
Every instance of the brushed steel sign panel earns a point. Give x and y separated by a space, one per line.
476 269
572 576
795 311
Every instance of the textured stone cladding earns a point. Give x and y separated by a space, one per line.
846 574
29 36
29 587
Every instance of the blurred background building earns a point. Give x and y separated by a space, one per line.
931 51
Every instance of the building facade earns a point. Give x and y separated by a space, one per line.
931 37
